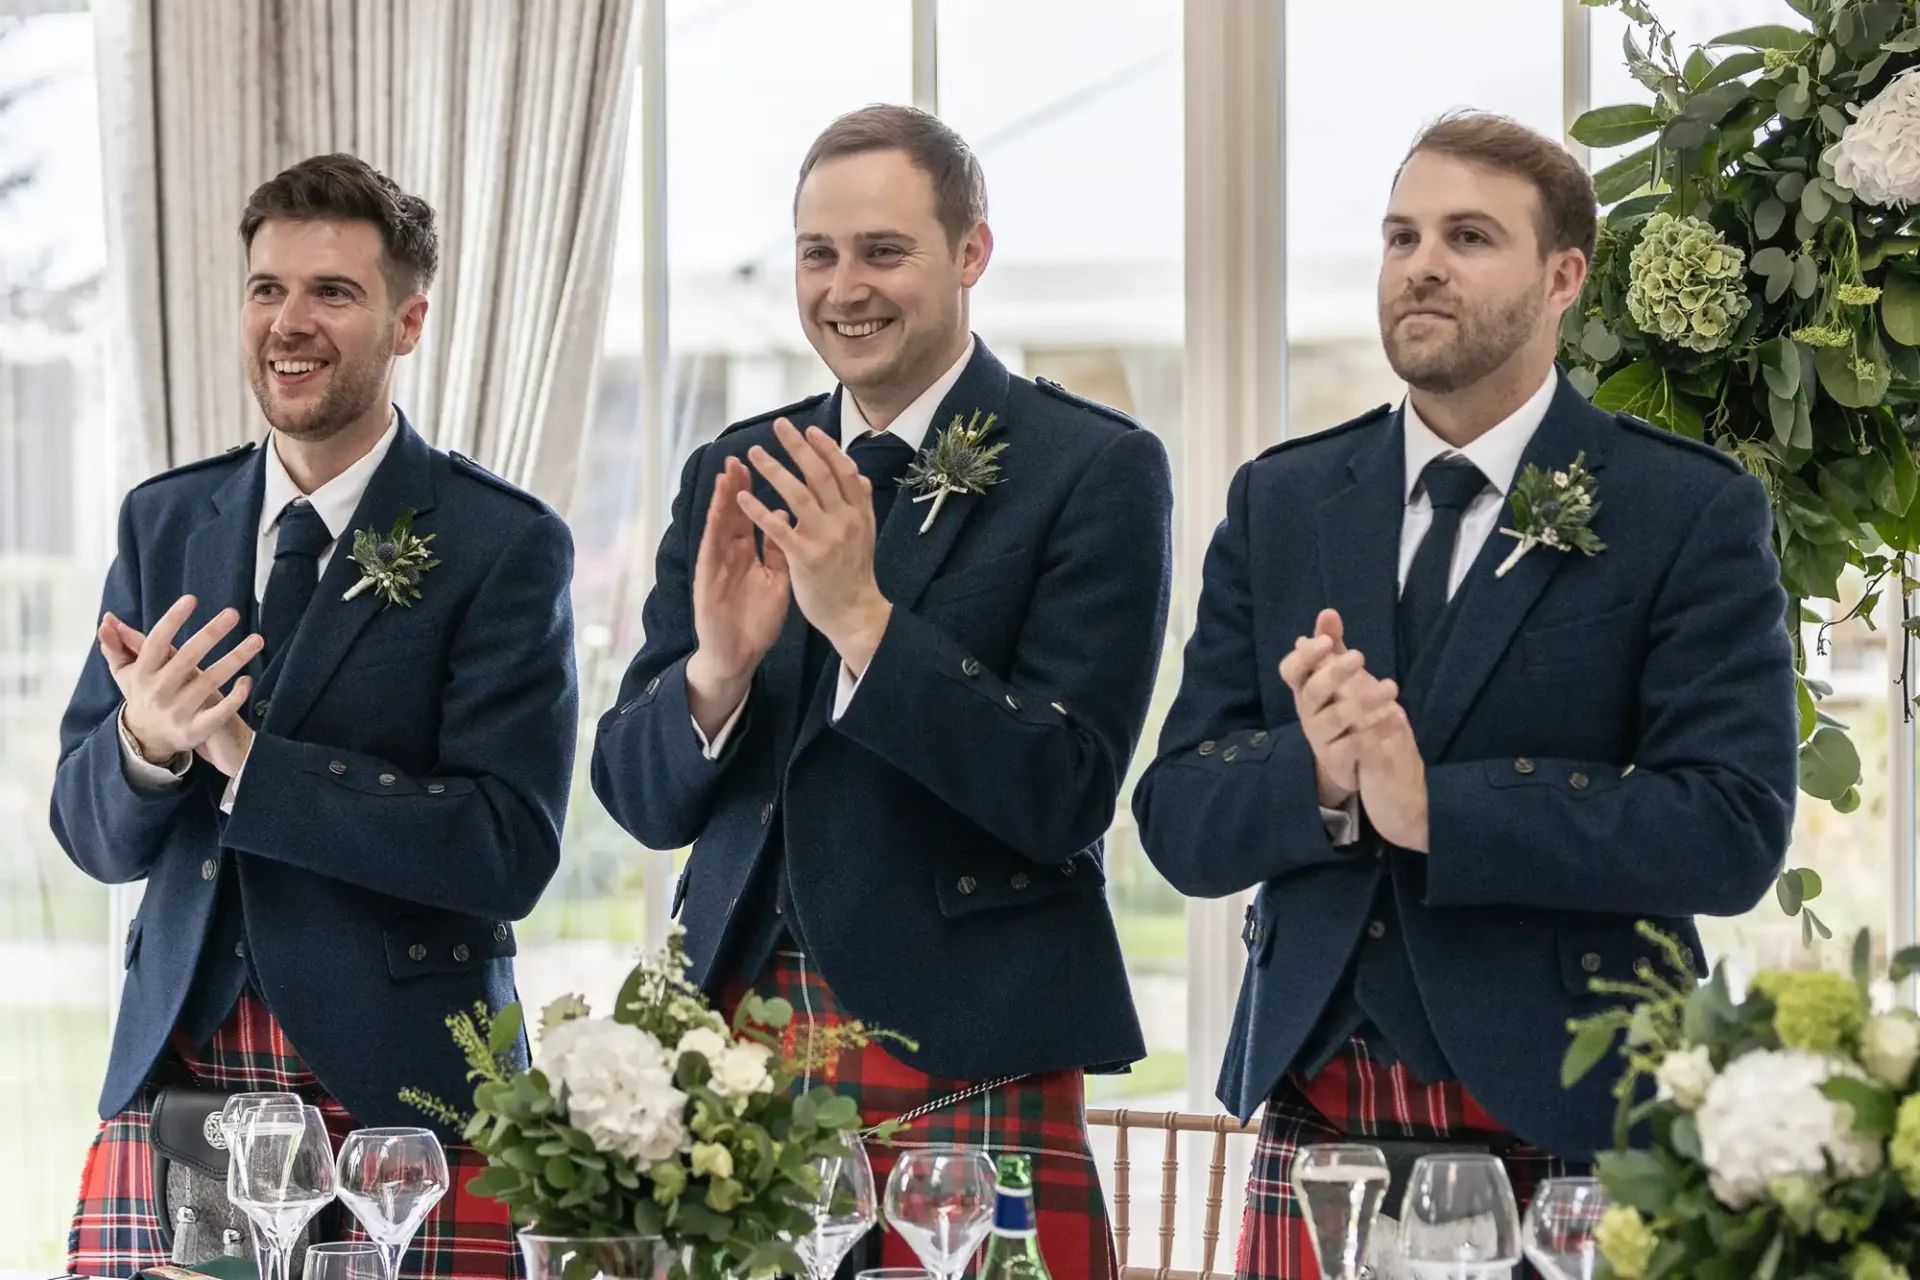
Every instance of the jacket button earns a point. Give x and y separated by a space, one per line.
1057 707
653 685
416 953
435 788
970 667
1020 880
766 813
1523 765
1230 754
1069 868
209 869
500 932
1590 962
1578 782
260 707
1259 736
240 949
460 953
967 884
1013 702
1206 748
1377 929
338 768
387 779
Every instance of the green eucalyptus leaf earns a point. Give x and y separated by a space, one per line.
1809 712
1768 218
1829 765
1806 272
1794 102
1789 186
1843 382
1849 801
1900 308
505 1033
1770 36
1590 1044
1771 261
1815 203
1731 67
1612 126
1598 342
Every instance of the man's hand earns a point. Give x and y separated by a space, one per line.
827 541
1393 780
739 603
172 705
1336 699
226 748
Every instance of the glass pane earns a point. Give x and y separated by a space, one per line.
1418 60
1078 124
56 526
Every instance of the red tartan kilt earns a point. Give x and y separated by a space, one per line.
1042 1116
116 1224
1350 1100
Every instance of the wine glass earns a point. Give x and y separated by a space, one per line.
843 1213
237 1105
940 1200
390 1179
1458 1220
279 1173
896 1273
1558 1232
1340 1187
341 1260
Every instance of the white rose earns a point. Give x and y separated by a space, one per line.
616 1084
708 1043
1685 1076
1889 1045
1765 1119
1878 157
742 1070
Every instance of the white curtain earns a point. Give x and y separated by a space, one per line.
508 116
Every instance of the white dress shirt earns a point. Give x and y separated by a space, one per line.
334 502
1497 454
911 426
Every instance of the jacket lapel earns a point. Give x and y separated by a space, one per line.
220 553
1359 540
403 482
1486 610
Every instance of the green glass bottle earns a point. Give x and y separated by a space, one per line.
1013 1250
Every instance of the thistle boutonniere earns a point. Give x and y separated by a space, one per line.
392 565
959 462
1553 509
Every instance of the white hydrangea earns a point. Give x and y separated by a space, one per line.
1889 1046
1686 1076
1765 1118
743 1070
706 1042
616 1083
1878 157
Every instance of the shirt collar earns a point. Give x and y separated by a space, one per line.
1496 452
914 420
337 499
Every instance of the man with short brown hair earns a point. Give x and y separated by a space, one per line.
338 806
1460 766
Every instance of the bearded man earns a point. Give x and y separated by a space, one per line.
1461 744
338 806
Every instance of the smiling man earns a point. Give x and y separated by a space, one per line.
1457 778
337 806
899 652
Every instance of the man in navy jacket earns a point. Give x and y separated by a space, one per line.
893 720
1459 778
339 792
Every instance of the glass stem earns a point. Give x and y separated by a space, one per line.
390 1254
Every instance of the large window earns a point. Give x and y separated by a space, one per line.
55 520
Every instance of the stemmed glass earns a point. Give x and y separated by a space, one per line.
390 1179
279 1173
240 1104
940 1200
1558 1232
1458 1220
1339 1187
843 1213
358 1260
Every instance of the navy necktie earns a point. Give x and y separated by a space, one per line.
296 572
1451 482
882 458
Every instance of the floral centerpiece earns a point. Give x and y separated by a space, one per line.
1782 1134
657 1124
1756 285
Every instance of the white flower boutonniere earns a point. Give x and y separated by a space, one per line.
1553 509
393 565
959 462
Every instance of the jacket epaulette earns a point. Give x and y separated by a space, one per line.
467 466
786 411
238 453
1369 417
1645 428
1059 392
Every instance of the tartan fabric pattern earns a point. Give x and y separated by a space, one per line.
116 1226
1043 1117
1356 1098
